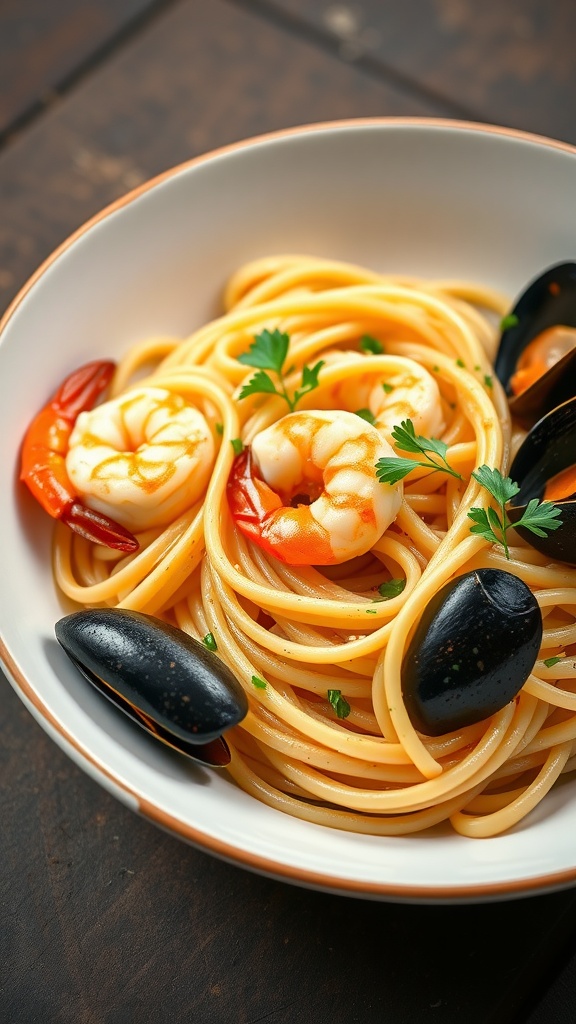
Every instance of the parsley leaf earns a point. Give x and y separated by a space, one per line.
550 662
387 388
482 526
210 642
260 684
309 380
260 383
406 440
538 516
268 351
502 488
392 588
339 703
371 345
508 321
366 414
237 444
391 470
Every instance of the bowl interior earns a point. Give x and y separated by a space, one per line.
408 198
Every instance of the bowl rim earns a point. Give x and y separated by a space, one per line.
108 778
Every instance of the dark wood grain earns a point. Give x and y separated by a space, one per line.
508 63
43 43
202 76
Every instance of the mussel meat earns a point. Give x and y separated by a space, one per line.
545 468
536 359
472 651
170 684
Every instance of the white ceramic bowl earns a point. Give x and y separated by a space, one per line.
414 197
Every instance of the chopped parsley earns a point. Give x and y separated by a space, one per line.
390 589
260 684
366 414
339 703
509 321
371 346
237 444
210 642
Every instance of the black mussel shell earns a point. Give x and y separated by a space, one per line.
472 651
549 448
167 682
548 301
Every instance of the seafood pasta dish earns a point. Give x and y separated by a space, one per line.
337 524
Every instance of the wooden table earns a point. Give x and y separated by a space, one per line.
105 919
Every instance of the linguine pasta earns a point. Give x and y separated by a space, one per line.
292 634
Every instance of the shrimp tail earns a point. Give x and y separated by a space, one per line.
43 467
261 516
98 528
250 500
81 389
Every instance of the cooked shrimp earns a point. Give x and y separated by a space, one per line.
306 491
401 390
144 457
43 467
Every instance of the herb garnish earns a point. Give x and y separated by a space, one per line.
339 703
390 589
268 352
366 414
237 444
539 516
508 321
210 642
387 388
260 684
550 662
371 345
391 470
